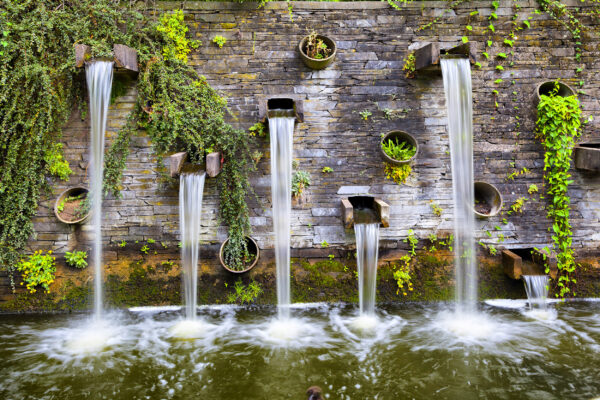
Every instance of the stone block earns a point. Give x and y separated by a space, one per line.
125 57
83 53
513 264
213 164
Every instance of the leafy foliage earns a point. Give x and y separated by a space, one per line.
409 66
38 269
316 48
300 181
76 259
397 173
399 149
177 46
219 41
557 127
175 105
244 294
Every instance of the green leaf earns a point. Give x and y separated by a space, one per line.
498 81
465 39
501 55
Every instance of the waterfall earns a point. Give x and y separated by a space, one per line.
99 75
191 188
367 249
457 86
281 128
536 287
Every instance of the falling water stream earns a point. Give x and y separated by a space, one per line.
191 188
281 128
536 287
99 75
367 248
457 86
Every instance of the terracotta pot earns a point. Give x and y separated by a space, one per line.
252 245
489 194
544 88
316 63
73 191
403 137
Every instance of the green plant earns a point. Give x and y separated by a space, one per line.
258 129
177 46
409 65
517 206
557 127
397 173
145 249
151 241
324 244
532 189
365 114
219 41
300 181
76 259
327 170
55 163
398 149
402 275
37 269
244 294
316 48
331 257
437 210
412 241
122 244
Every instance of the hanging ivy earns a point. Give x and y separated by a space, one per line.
40 85
557 127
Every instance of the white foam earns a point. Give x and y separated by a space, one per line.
154 309
190 329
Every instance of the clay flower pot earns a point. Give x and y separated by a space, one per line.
317 63
401 136
488 200
544 88
252 249
67 207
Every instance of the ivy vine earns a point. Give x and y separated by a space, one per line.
40 85
557 127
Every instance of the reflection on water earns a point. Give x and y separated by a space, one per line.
419 351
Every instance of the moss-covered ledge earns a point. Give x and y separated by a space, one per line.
152 281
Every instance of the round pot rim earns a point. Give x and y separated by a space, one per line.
318 59
539 85
492 213
393 160
64 194
246 269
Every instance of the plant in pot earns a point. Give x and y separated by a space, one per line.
239 263
73 206
398 150
317 51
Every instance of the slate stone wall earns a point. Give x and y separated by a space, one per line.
260 58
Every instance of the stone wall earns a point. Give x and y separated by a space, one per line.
260 58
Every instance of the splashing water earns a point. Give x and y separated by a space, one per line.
99 75
281 129
191 189
457 86
367 248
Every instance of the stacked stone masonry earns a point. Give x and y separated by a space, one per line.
260 58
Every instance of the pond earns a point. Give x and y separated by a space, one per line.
409 351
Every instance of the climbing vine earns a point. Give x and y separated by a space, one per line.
40 85
557 127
